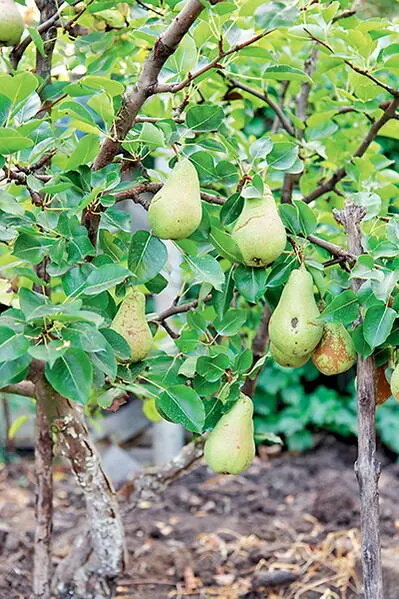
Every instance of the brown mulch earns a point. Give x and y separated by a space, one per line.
286 528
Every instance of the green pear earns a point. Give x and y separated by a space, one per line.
230 447
287 361
335 352
11 23
395 383
294 328
175 211
259 231
130 322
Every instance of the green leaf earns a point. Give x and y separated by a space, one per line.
212 368
283 72
231 323
71 375
232 209
182 405
18 87
204 117
84 152
250 282
105 277
283 156
151 135
343 308
14 371
12 345
11 141
378 322
29 248
118 343
222 299
147 256
206 269
225 245
361 345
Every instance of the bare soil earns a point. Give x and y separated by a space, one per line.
286 528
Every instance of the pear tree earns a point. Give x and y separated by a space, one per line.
277 125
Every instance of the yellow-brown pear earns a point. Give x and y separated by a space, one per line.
230 447
335 353
131 323
175 211
259 231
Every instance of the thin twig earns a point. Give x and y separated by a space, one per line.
262 95
391 90
215 63
340 173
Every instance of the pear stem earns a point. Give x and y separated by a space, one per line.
367 467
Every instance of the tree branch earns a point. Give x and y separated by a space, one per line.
340 173
215 63
367 467
391 90
151 482
53 20
24 388
179 309
292 179
262 95
146 84
332 248
134 193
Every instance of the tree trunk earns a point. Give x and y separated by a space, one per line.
367 467
98 554
42 569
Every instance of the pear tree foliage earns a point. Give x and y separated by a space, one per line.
281 112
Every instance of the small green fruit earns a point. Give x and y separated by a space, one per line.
335 352
130 322
259 231
395 383
294 328
175 211
287 361
230 447
11 23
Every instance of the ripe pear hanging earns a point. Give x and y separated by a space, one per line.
395 383
294 329
335 352
285 360
131 323
175 211
259 231
230 447
11 23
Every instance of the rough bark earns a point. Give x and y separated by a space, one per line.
367 467
98 554
42 567
48 10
